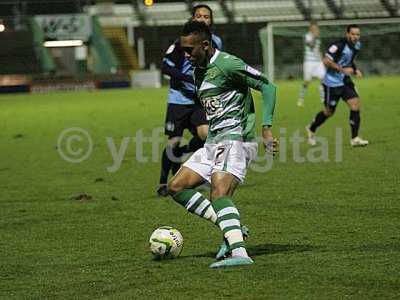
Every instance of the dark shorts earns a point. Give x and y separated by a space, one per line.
180 117
334 94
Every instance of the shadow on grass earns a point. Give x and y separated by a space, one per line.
268 249
263 249
206 254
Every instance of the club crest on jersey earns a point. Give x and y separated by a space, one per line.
212 73
170 49
333 49
212 106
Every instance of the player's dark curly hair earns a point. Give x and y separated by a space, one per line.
199 28
196 7
349 27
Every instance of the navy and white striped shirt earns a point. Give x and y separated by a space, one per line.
342 53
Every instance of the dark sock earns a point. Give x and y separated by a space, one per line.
175 167
184 149
354 123
195 143
176 160
178 151
165 167
318 121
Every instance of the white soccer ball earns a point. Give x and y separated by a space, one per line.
166 242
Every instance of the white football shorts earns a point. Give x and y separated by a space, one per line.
313 69
232 157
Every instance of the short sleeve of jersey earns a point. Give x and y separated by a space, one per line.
171 55
244 74
217 42
333 51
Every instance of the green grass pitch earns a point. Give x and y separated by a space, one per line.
327 230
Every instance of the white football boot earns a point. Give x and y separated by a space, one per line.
300 102
358 142
310 136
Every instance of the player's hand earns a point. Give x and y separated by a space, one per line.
358 73
270 144
348 71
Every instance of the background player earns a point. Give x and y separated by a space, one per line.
223 85
337 84
312 65
182 111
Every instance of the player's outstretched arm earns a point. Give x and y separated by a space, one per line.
268 92
252 78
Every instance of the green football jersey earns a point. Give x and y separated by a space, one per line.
223 88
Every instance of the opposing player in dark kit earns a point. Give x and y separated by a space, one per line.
182 111
337 83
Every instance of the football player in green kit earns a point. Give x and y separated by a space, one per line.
223 84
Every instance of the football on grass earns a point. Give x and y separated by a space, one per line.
166 242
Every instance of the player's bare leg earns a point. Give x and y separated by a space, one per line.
354 105
183 179
181 188
197 142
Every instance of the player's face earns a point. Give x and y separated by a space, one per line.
202 15
195 49
314 30
353 36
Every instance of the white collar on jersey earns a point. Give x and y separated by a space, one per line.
214 57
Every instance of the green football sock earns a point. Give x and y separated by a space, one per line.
228 220
196 203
